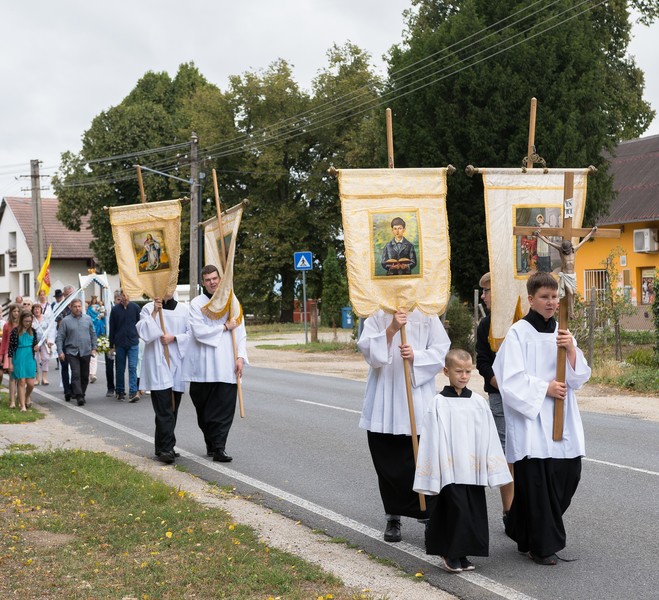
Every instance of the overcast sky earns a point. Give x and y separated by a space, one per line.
62 62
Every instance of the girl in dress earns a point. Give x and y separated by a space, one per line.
45 329
12 323
23 343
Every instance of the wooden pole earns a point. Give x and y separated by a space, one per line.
223 260
141 184
403 334
531 147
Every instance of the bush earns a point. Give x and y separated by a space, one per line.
641 358
459 325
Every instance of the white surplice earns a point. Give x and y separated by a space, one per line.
210 355
155 374
459 444
385 407
524 367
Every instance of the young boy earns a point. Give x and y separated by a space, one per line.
398 256
459 454
546 472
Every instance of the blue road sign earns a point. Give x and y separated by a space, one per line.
303 261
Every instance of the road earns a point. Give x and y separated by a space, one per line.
299 451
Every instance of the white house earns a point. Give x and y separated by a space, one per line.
71 253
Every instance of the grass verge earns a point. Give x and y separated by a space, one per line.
80 524
337 347
625 376
14 415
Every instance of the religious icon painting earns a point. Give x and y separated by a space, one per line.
533 254
395 243
150 251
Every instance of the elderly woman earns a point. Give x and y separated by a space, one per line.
46 331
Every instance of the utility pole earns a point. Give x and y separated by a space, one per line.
38 254
195 206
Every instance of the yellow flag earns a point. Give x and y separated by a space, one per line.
44 275
147 243
514 198
217 240
396 239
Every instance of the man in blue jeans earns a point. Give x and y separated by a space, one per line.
124 341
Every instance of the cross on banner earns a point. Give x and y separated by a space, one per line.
567 252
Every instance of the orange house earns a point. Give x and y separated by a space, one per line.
635 211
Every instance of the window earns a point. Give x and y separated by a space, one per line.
26 284
2 265
647 286
595 280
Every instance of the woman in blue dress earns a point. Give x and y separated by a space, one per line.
23 343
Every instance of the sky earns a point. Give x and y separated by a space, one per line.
63 62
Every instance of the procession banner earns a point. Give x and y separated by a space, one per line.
44 275
147 243
223 300
396 239
527 199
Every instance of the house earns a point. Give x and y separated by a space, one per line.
71 253
635 211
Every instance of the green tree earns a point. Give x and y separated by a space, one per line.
472 87
143 129
335 291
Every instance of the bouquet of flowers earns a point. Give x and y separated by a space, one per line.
103 344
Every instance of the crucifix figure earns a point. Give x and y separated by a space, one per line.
568 277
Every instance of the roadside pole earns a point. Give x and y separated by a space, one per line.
303 261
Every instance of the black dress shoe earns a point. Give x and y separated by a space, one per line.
392 532
221 456
166 457
209 451
67 397
81 402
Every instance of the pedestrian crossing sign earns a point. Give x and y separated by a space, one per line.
303 261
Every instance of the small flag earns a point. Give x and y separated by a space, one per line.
44 275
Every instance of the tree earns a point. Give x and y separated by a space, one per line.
463 111
335 291
144 127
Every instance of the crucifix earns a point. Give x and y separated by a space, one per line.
567 276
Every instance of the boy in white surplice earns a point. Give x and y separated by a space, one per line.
459 454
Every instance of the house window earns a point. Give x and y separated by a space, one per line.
595 278
12 249
2 265
26 284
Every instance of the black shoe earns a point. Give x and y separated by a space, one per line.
452 565
67 397
121 396
176 454
109 394
392 532
550 560
166 457
504 518
81 402
221 456
209 451
466 564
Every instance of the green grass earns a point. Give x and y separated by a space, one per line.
341 347
79 525
638 378
14 415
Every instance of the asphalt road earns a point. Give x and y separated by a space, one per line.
299 450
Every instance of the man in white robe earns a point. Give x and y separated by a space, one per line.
212 369
165 381
385 413
547 472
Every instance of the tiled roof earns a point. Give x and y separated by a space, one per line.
635 167
66 243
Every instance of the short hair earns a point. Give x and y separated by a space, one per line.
538 280
397 221
69 288
37 305
456 354
74 301
208 269
485 280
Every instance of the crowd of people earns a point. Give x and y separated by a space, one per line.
466 443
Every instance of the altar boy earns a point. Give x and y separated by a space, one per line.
459 454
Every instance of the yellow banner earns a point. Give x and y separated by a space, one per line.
531 199
396 239
147 243
217 240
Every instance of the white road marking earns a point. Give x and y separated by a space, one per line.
350 410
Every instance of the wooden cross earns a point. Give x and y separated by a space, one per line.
567 251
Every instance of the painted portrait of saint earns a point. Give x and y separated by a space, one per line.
531 253
395 244
150 252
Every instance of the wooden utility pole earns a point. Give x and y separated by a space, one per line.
38 254
195 204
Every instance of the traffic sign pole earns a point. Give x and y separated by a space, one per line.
304 299
303 261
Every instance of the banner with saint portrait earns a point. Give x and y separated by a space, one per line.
220 240
147 244
396 239
514 198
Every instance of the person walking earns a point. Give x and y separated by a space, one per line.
212 368
76 344
124 342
